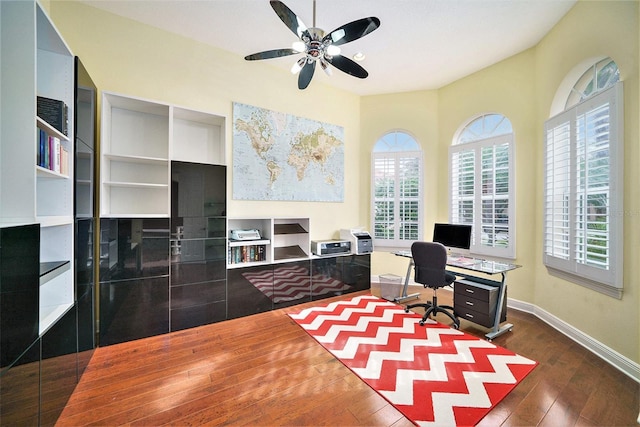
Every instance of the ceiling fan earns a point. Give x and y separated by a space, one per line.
317 46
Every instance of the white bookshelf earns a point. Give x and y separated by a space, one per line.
285 240
41 65
139 138
197 137
135 157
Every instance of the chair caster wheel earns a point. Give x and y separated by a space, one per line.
421 323
406 310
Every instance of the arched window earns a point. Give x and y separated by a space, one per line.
584 182
481 184
600 76
396 190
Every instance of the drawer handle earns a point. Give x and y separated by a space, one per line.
469 290
469 315
469 303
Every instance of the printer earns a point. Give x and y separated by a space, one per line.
330 247
361 241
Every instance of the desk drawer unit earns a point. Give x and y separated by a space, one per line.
477 302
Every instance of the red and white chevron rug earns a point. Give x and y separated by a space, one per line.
289 283
433 374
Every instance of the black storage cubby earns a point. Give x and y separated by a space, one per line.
58 366
243 297
19 290
20 389
133 309
291 283
134 279
338 275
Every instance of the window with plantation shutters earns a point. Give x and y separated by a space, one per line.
584 191
397 190
481 185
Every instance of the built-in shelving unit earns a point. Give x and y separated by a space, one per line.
197 137
282 240
135 157
139 139
41 65
54 191
164 166
291 239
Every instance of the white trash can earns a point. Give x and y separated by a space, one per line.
390 286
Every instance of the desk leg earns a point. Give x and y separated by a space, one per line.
498 330
405 288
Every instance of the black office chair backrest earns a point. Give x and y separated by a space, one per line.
430 260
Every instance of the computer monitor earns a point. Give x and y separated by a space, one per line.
452 235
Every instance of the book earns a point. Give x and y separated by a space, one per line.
55 153
54 112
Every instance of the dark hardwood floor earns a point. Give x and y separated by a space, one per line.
265 370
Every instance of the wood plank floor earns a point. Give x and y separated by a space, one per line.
265 370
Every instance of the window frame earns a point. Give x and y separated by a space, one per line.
608 281
395 156
477 146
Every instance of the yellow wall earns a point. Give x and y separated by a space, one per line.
137 60
589 30
522 88
417 114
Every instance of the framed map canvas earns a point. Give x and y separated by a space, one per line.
278 156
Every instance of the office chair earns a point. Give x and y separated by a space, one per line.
430 261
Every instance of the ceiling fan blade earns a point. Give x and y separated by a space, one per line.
348 66
306 74
289 18
268 54
352 31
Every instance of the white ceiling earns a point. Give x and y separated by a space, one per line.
421 44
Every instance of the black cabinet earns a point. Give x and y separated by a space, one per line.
133 309
85 281
133 248
249 290
134 279
256 289
198 291
84 209
58 366
166 274
19 290
477 301
20 389
19 325
338 275
291 283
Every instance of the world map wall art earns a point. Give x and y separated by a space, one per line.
278 156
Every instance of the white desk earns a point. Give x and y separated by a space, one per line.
477 265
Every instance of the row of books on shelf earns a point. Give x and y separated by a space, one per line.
52 154
248 253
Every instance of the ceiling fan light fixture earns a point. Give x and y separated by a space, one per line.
297 66
325 67
299 46
333 50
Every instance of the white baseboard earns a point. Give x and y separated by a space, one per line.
615 359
